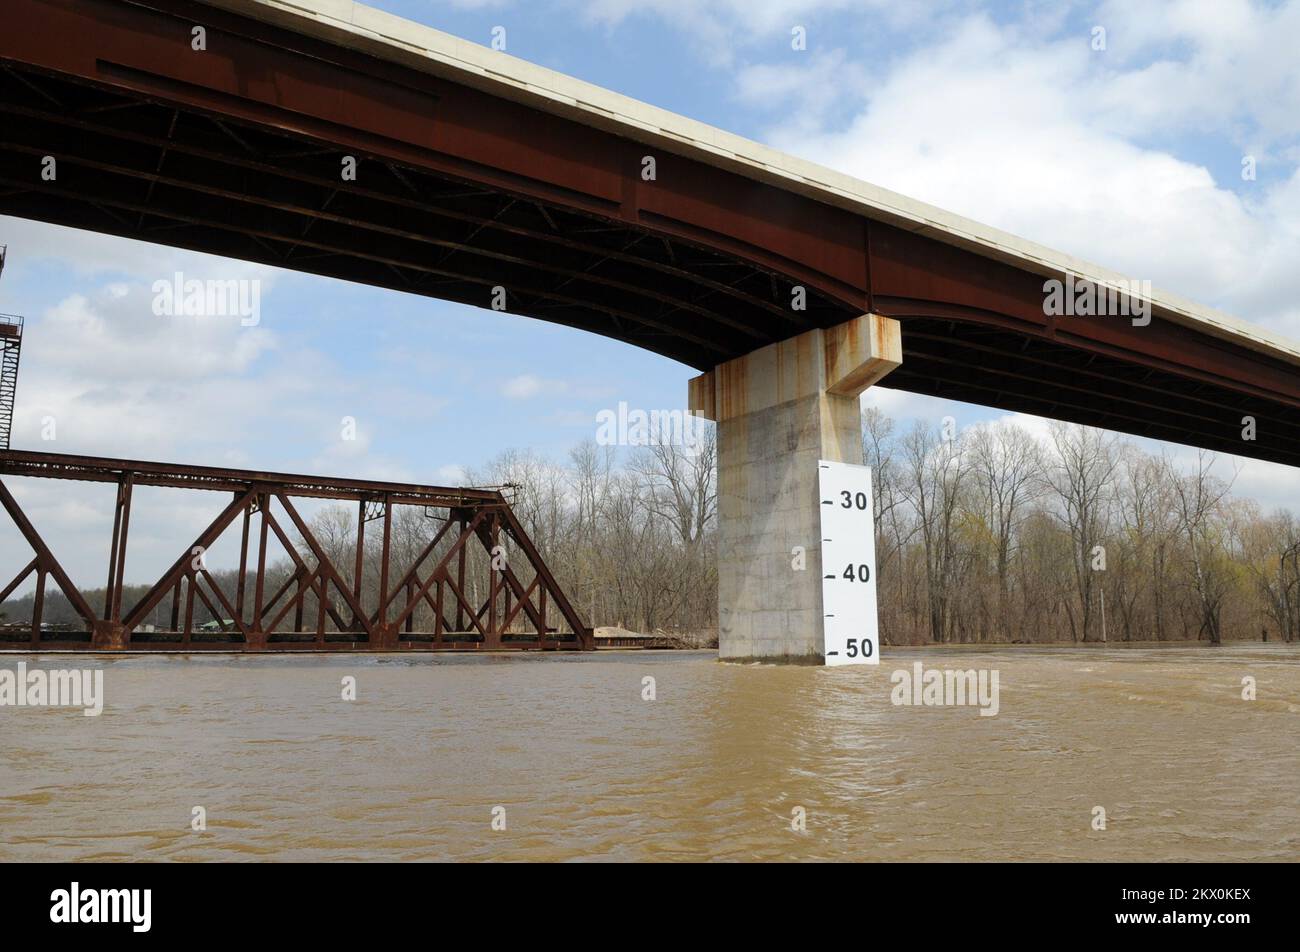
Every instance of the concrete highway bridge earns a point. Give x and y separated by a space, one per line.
790 287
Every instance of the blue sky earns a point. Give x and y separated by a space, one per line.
1128 156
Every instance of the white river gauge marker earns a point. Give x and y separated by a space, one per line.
848 547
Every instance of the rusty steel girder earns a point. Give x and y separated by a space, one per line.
523 608
236 152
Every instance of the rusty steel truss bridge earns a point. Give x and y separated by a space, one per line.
306 600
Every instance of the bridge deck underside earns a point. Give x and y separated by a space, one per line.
145 170
158 169
994 366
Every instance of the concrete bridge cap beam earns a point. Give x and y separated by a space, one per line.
843 360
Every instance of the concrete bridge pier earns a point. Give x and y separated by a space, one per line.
779 410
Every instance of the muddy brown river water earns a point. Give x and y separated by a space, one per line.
714 768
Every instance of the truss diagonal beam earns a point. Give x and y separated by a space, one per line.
180 566
440 571
45 562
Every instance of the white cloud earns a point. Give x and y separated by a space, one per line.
808 89
118 335
112 378
990 124
745 17
901 405
451 474
718 29
526 386
1224 66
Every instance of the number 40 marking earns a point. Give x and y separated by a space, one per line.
858 573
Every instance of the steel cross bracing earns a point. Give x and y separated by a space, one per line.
471 579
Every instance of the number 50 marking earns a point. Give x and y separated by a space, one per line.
852 647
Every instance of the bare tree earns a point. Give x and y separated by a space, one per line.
1140 565
1007 465
935 471
1080 473
1199 499
680 484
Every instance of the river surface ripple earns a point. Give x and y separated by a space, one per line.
712 769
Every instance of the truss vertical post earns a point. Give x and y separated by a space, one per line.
385 633
460 577
437 616
243 564
189 609
117 557
38 607
494 579
322 602
361 550
300 600
111 631
257 634
112 557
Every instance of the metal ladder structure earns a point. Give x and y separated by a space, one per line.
11 343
